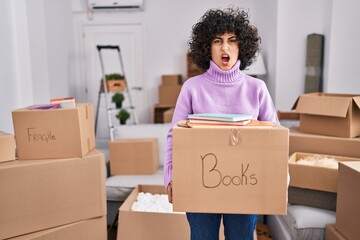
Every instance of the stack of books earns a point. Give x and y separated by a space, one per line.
221 120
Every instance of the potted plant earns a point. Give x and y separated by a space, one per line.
115 82
118 98
123 115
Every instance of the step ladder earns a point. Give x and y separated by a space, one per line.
110 111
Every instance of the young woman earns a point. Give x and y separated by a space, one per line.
223 43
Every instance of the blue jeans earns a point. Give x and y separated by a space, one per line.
205 226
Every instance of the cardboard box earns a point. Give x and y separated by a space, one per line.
159 110
348 199
7 149
118 85
329 114
168 94
175 79
312 143
91 229
263 232
230 170
168 114
55 133
150 225
332 234
134 156
41 194
314 177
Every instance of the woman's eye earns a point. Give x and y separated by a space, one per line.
233 41
217 41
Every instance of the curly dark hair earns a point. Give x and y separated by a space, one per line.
216 22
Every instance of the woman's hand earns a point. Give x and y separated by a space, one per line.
169 192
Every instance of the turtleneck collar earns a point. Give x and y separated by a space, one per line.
217 75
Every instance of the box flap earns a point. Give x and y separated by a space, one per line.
323 104
357 101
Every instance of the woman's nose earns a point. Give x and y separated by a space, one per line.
225 46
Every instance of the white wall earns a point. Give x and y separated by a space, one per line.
344 58
35 42
295 20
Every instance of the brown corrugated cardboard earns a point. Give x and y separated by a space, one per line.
230 170
348 199
332 234
41 194
7 149
168 114
329 114
55 133
312 143
175 79
91 229
314 177
150 225
134 156
168 94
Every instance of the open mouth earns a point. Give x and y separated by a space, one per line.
225 58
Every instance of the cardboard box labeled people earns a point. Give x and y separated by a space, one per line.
54 133
230 169
41 194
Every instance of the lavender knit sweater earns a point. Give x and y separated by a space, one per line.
218 91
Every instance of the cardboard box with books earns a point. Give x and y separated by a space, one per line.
214 168
7 149
134 156
329 114
42 194
348 199
54 133
315 171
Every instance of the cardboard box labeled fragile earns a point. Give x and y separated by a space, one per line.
7 149
348 199
150 225
314 177
41 194
134 156
312 143
91 229
329 114
55 133
230 170
168 94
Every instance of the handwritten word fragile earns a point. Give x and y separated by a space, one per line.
35 135
213 177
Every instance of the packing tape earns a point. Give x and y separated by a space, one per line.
235 137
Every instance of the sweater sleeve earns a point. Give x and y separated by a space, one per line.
182 110
267 111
